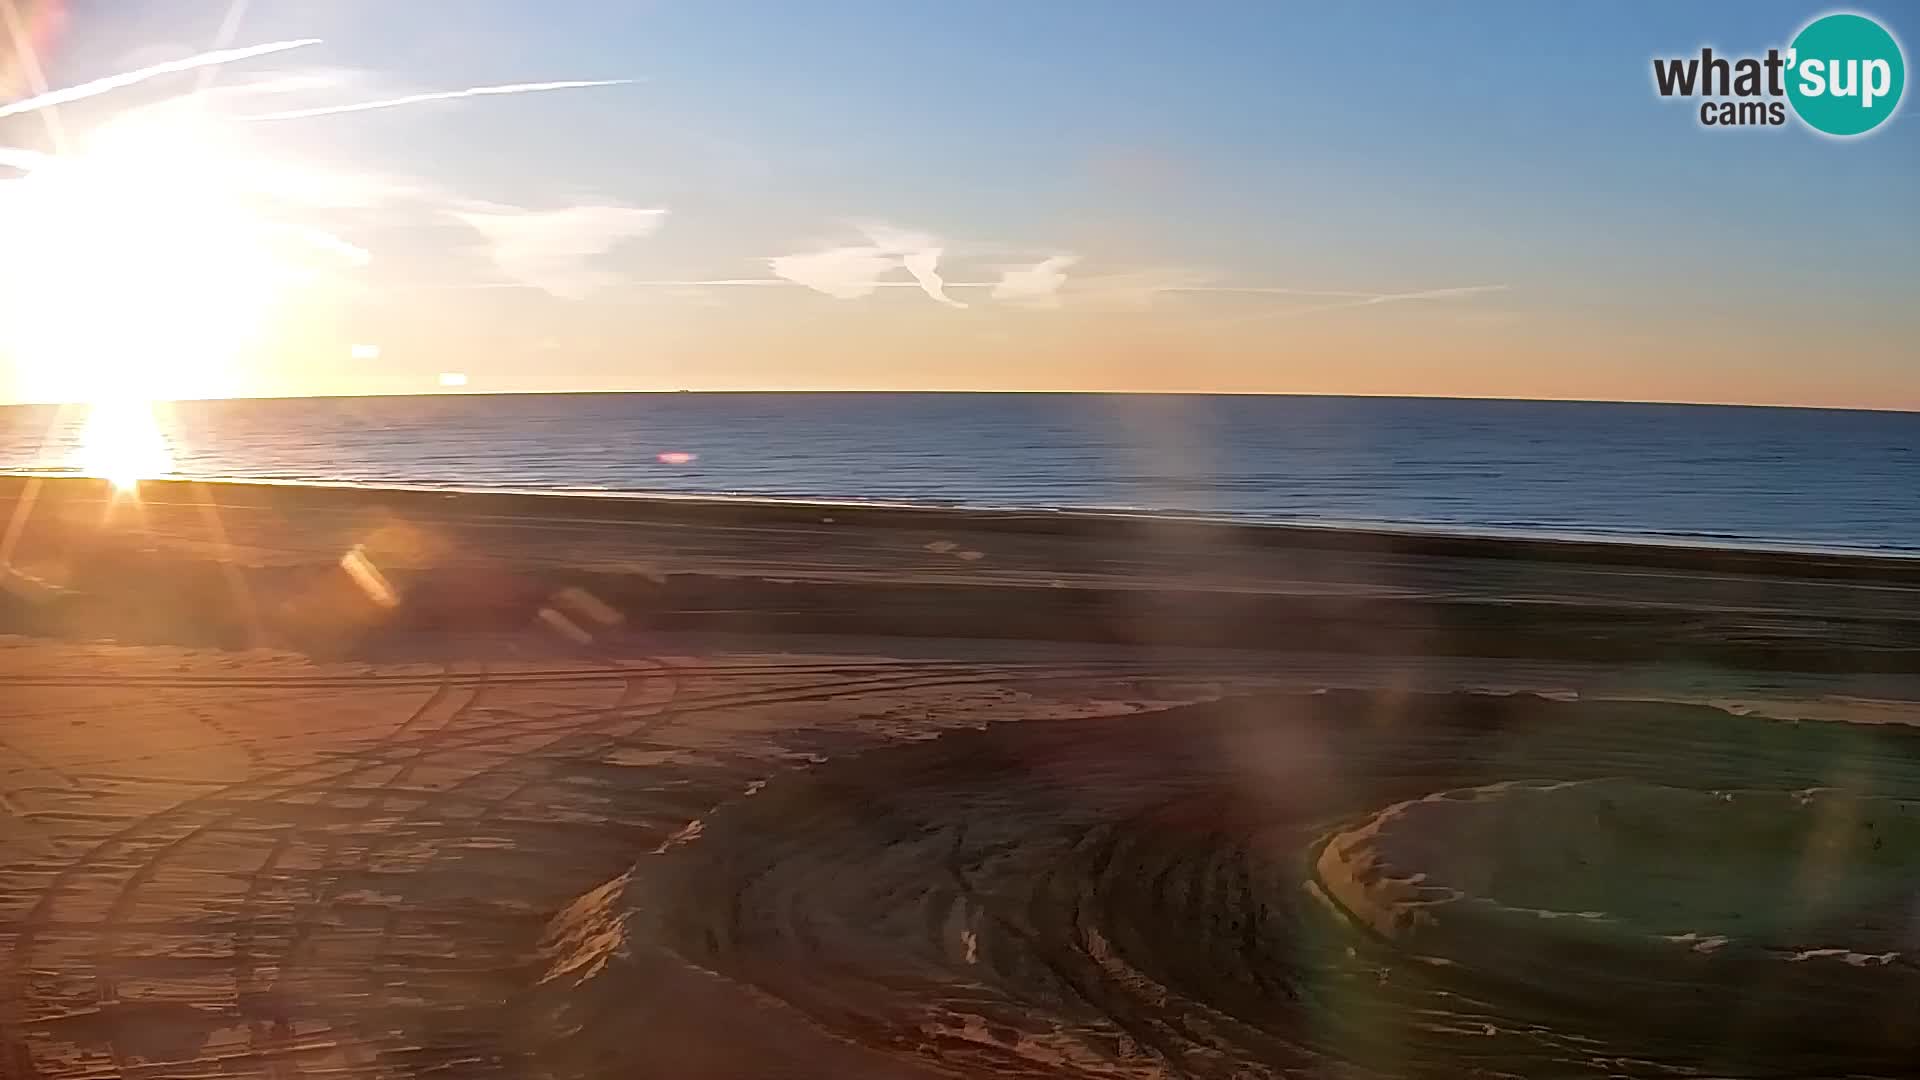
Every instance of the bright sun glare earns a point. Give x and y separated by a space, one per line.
135 271
141 261
122 442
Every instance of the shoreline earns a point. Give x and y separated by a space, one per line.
1668 551
328 569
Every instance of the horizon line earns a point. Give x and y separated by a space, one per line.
1517 399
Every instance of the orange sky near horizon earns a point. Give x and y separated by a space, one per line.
359 199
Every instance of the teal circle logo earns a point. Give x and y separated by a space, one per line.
1845 74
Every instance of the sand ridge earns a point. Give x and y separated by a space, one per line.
297 866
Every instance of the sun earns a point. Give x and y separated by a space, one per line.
135 268
123 444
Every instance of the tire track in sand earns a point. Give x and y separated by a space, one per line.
570 725
106 995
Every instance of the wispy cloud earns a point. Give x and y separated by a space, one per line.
919 253
853 271
553 250
139 75
1038 285
847 273
925 268
437 95
324 241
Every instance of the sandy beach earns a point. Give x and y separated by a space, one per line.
301 782
794 541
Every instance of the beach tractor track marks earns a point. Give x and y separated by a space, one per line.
333 778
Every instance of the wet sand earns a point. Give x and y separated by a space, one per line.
298 782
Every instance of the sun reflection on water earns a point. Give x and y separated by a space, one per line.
122 442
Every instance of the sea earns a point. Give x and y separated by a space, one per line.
1741 476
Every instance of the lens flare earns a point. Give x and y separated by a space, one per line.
29 30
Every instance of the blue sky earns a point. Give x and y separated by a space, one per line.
1377 149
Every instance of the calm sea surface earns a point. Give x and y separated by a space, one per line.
1712 474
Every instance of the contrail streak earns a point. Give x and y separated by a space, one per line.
442 95
1264 290
1378 298
139 75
